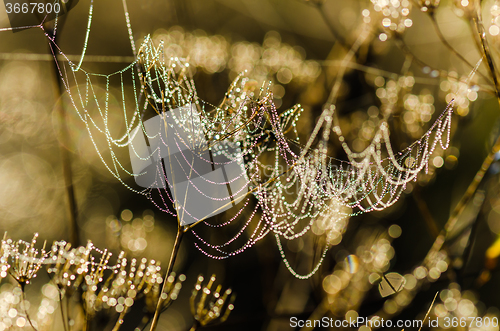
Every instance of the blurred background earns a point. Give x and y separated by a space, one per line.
404 67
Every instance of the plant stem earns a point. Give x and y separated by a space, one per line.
67 312
86 323
120 318
451 48
425 212
195 326
471 190
23 302
331 28
470 245
478 21
65 155
62 309
173 256
469 193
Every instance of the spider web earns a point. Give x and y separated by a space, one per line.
286 187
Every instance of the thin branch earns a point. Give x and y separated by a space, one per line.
173 256
195 326
429 220
65 154
442 73
119 322
67 312
451 48
469 193
331 28
420 62
484 44
470 245
23 303
62 309
428 311
478 178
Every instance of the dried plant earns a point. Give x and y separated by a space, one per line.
86 273
212 306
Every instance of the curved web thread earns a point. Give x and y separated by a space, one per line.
294 186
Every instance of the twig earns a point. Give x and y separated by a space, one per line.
471 190
65 155
469 193
195 326
86 322
173 256
451 48
428 311
442 73
67 312
484 44
430 222
120 319
62 309
330 26
470 244
23 303
404 47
